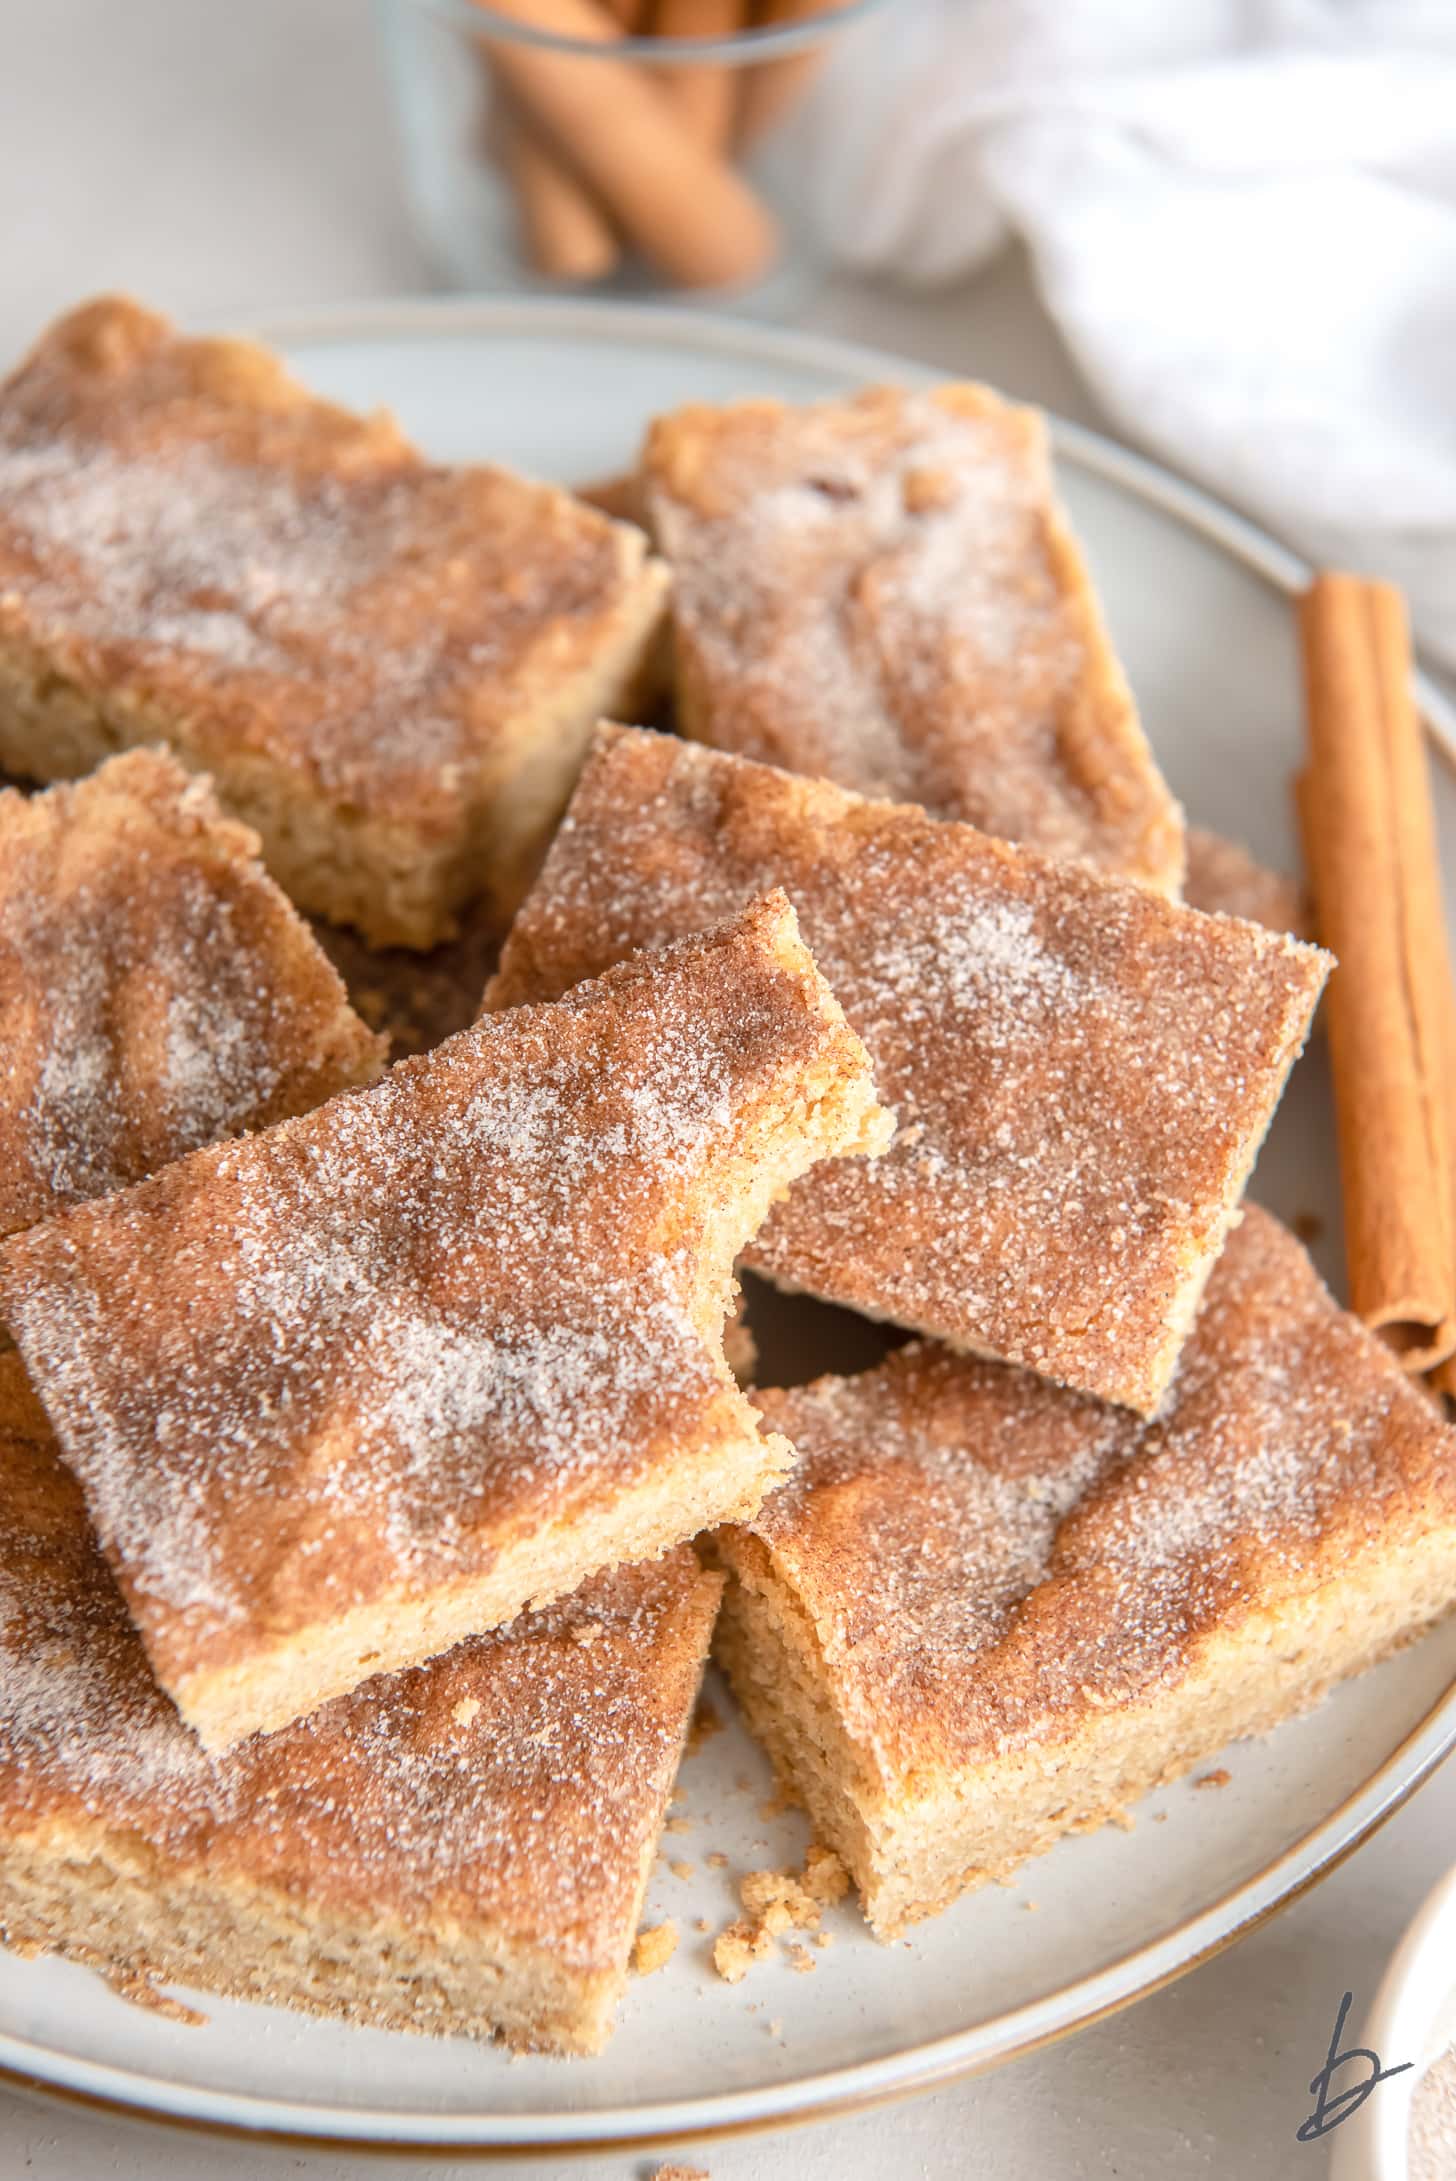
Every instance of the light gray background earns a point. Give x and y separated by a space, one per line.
219 157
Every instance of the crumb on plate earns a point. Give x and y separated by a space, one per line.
654 1948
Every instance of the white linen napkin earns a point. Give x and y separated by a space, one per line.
1242 214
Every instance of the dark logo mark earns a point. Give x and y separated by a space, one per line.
1331 2107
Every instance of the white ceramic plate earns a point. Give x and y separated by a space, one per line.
1197 605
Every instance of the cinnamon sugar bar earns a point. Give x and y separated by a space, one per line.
1082 1070
883 590
985 1612
390 667
373 1380
1224 879
157 991
461 1849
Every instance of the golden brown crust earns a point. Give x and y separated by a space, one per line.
621 496
347 1390
995 1570
1081 1069
884 591
157 991
514 1788
376 656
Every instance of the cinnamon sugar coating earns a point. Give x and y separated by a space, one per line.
999 1574
883 590
379 1377
389 666
157 991
1082 1070
508 1796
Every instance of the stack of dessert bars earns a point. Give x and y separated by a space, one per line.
373 1477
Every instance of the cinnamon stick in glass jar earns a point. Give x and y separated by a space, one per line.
675 198
564 232
706 97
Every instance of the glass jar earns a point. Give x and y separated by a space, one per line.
557 145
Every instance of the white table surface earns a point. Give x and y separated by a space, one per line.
215 157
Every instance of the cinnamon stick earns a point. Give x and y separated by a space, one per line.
683 206
772 87
706 96
1443 1377
1365 812
566 234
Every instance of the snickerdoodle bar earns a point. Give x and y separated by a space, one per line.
157 990
884 590
985 1612
390 667
460 1849
376 1379
1082 1070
